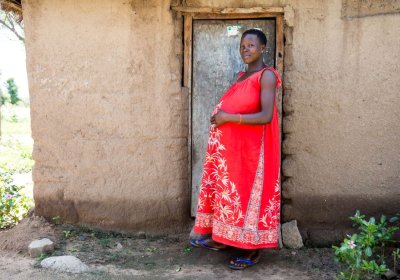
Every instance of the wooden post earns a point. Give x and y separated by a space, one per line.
187 51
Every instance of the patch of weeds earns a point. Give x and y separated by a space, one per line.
42 257
84 247
56 220
14 204
187 249
68 233
100 234
362 255
14 118
73 250
150 265
116 234
114 257
104 242
151 249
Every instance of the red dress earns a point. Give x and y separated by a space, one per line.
239 198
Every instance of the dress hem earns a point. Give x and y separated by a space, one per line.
244 246
232 243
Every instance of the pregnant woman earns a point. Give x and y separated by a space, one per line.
239 198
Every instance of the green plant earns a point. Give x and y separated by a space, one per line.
68 233
187 249
84 247
14 204
362 254
104 242
151 249
396 258
114 256
56 220
14 118
4 98
12 90
42 257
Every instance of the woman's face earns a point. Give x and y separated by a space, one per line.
250 48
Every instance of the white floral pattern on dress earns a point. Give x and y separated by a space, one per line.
250 232
270 218
244 236
216 185
253 209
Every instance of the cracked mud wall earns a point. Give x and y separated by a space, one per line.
109 118
341 131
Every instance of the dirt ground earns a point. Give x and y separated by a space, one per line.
111 255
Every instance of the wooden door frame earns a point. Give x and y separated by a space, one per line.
190 14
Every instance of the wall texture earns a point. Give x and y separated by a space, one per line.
342 135
109 118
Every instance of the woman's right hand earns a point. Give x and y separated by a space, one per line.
219 118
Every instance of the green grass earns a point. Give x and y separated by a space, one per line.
15 121
15 164
16 142
17 128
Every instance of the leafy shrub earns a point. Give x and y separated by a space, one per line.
12 91
13 203
362 255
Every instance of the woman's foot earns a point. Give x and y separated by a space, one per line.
208 243
249 258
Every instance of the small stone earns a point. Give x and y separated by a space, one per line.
69 264
293 253
141 235
119 246
291 235
37 247
82 237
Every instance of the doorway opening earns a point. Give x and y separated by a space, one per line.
211 64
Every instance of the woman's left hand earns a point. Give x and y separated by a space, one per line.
219 118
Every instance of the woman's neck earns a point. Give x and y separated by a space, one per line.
255 66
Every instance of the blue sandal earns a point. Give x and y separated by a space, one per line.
201 243
242 263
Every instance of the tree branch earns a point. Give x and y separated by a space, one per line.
8 23
10 20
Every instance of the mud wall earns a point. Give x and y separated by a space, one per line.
341 130
109 118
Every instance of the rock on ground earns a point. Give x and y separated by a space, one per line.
291 235
65 264
18 238
37 247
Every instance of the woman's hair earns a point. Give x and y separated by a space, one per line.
260 35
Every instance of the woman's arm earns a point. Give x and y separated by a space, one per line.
268 82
